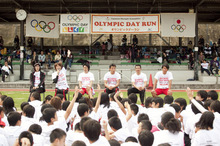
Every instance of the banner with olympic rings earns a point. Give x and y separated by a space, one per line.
42 26
178 24
125 23
75 24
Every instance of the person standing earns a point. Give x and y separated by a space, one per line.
86 79
163 80
59 77
112 80
139 82
64 54
135 40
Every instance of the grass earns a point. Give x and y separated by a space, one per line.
22 96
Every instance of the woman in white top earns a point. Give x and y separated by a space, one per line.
171 133
59 77
205 134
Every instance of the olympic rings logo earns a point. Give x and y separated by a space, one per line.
178 28
75 18
42 25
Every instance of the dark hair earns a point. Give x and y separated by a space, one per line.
215 106
8 105
3 97
125 100
137 65
60 96
82 108
206 121
45 106
105 100
112 113
13 118
134 108
78 97
164 144
35 128
1 109
92 130
49 113
182 102
57 134
58 64
36 65
194 108
142 116
133 98
203 94
166 65
157 100
27 135
36 96
207 103
23 104
56 102
115 123
48 97
146 138
213 94
148 101
146 125
132 139
78 143
77 126
65 105
176 107
29 110
82 121
170 123
168 99
87 65
114 142
112 65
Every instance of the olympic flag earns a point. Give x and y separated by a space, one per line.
178 24
42 26
125 23
75 24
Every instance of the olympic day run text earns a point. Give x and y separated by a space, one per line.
75 24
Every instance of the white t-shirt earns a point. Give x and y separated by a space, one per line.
112 78
139 79
163 79
206 137
27 122
122 134
61 83
165 136
130 144
6 69
37 79
86 78
38 139
3 140
74 136
189 128
155 115
102 141
205 65
37 105
12 133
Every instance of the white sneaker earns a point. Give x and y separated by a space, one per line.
2 81
6 76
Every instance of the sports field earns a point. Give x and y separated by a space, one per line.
21 96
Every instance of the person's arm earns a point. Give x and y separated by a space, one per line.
55 79
145 84
128 117
70 107
133 84
67 59
197 105
155 83
119 103
98 99
106 130
106 84
42 78
80 84
32 80
170 83
118 82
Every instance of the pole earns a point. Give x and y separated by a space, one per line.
196 76
22 51
41 44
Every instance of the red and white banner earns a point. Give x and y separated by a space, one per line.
42 26
123 23
178 24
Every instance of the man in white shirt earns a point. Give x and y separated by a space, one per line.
86 79
41 58
164 79
139 82
112 80
5 71
204 67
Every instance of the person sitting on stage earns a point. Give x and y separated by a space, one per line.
37 80
86 79
5 71
164 79
59 77
139 82
112 80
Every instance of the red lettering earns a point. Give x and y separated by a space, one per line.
144 24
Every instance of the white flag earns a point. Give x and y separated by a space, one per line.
178 24
42 26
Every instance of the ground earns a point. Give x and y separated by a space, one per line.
22 96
